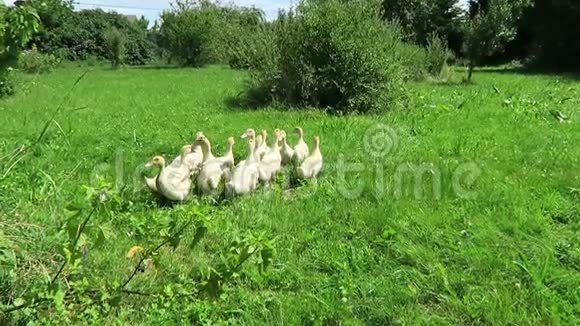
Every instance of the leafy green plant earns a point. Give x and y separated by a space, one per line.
17 26
437 53
334 55
32 61
115 45
77 35
186 33
74 283
420 18
414 60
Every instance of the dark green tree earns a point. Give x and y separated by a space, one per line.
17 25
421 18
491 25
555 30
115 46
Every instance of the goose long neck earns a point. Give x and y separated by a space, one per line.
300 133
206 150
316 146
251 148
276 142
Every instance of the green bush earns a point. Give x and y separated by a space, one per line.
252 49
207 32
115 46
437 54
414 60
186 33
333 54
17 25
34 62
6 82
77 35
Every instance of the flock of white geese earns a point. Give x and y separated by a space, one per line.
197 165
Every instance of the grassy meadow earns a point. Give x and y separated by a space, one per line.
490 234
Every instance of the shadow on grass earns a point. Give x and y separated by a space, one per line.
252 98
529 71
158 67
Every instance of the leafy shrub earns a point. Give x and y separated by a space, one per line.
451 57
84 289
91 61
32 61
187 33
414 59
207 32
6 82
333 54
437 53
78 35
115 45
252 49
17 25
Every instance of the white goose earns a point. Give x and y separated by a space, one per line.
152 182
270 162
263 148
301 151
312 165
194 159
285 150
245 176
250 134
213 169
172 183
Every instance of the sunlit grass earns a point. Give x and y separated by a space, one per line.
505 250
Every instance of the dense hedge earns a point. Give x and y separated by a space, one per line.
332 54
79 35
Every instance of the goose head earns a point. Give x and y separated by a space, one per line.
283 138
157 161
230 144
316 142
205 145
250 133
277 131
299 131
197 135
277 138
264 135
186 149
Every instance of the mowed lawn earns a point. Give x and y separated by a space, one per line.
464 208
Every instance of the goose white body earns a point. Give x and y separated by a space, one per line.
310 168
245 176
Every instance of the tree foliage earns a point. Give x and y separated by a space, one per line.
207 32
554 26
186 32
115 46
17 25
333 54
421 18
492 23
78 35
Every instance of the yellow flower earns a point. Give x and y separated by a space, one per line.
133 251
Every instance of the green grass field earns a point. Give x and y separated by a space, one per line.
490 234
